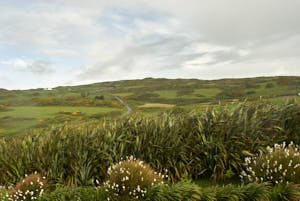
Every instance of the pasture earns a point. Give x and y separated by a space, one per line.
19 119
21 110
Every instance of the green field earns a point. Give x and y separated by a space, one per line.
167 94
51 111
18 119
207 92
24 109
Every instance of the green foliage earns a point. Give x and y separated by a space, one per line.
64 101
250 192
3 193
250 92
3 107
280 164
131 179
255 191
231 93
287 80
206 144
290 192
143 96
184 92
84 93
184 190
269 85
111 114
229 192
79 193
99 97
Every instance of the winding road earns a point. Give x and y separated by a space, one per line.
129 110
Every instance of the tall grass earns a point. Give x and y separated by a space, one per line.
208 144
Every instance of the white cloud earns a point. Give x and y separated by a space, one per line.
61 52
36 67
40 67
16 63
123 39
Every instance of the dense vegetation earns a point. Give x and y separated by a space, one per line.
212 144
213 138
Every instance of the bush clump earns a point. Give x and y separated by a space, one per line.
183 190
130 179
30 188
289 192
279 165
64 193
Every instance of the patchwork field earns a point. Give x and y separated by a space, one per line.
21 110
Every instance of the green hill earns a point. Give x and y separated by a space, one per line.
24 109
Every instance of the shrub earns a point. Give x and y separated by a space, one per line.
80 193
269 85
30 188
3 107
3 192
228 192
290 192
184 190
99 97
255 191
130 179
231 93
250 92
281 164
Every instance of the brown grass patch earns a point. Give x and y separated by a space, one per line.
153 105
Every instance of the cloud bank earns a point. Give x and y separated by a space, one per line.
91 41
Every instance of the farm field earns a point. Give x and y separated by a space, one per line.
156 105
21 118
21 110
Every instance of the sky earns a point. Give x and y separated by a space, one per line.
71 42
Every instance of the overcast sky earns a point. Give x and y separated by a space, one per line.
69 42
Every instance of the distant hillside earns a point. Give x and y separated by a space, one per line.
21 110
170 91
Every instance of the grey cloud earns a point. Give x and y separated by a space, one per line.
232 21
263 27
159 55
231 56
40 67
159 39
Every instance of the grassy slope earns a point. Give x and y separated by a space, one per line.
51 111
18 119
186 93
